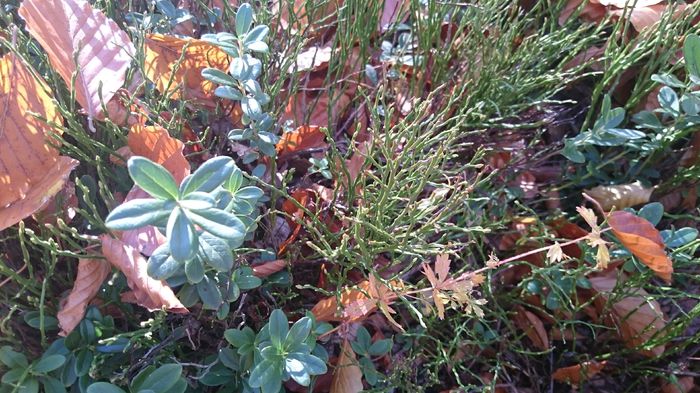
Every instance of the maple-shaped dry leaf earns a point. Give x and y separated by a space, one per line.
303 138
31 171
178 74
533 327
148 293
637 317
347 376
643 240
72 29
575 374
355 303
91 274
621 196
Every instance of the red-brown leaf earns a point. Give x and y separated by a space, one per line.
91 274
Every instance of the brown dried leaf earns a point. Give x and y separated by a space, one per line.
91 274
643 240
31 171
312 59
163 54
303 138
621 196
149 293
72 29
533 327
575 374
269 268
637 317
347 376
683 385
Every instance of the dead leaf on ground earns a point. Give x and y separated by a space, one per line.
643 240
394 11
91 274
31 171
163 54
355 303
575 374
269 268
621 196
347 375
147 292
303 138
637 317
312 59
72 29
311 18
683 385
62 206
533 328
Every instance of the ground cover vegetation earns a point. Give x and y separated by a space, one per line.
343 196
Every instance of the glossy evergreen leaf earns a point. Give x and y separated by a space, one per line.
182 237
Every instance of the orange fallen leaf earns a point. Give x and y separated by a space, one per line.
575 374
91 274
643 240
31 171
620 196
637 317
355 303
269 268
147 292
347 376
533 328
175 65
72 29
154 143
303 138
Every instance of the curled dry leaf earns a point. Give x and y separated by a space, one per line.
72 29
643 240
269 268
533 328
620 196
355 303
91 274
347 376
178 74
147 292
683 385
31 171
637 318
575 374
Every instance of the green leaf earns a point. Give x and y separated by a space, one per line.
229 358
245 279
52 385
83 361
680 237
229 93
48 363
210 175
162 379
691 53
257 46
161 265
12 359
12 376
104 387
244 19
218 77
239 338
216 252
220 223
297 370
266 375
137 213
30 385
194 269
249 193
668 80
312 364
197 200
258 33
278 327
668 99
572 153
152 178
251 107
652 212
298 333
33 319
182 237
625 133
209 293
381 347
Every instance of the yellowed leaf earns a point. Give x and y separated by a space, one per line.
347 376
637 317
91 274
31 171
72 29
147 292
175 65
